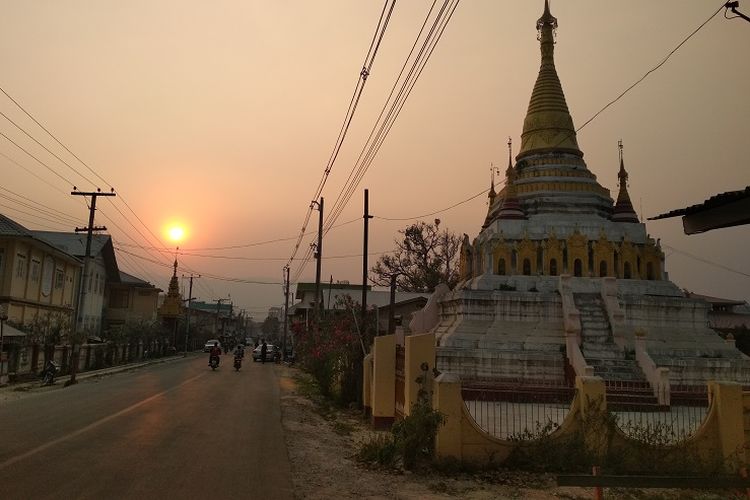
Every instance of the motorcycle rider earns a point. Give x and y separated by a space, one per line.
214 353
239 353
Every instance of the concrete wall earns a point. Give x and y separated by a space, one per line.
384 380
723 435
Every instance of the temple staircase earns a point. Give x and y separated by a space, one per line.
627 387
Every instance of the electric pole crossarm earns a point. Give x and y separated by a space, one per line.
79 328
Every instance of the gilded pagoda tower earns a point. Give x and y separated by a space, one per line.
562 277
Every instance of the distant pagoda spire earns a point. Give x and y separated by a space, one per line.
548 125
492 194
623 211
174 284
511 208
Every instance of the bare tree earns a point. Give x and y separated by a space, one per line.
424 258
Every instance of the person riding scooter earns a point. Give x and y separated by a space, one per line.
214 353
48 372
239 354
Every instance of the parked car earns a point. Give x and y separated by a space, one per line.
210 344
271 352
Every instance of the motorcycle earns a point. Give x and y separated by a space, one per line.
237 363
48 373
214 362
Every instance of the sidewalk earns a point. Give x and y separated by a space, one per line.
25 387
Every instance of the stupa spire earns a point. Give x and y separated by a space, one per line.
511 208
623 211
548 125
492 192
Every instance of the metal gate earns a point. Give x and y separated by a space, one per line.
400 372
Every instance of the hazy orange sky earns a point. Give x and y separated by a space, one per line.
223 114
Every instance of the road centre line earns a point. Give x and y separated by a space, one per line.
93 425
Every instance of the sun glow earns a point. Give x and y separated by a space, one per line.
176 233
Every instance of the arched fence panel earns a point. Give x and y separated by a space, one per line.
518 412
641 417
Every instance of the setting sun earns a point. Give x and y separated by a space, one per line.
176 233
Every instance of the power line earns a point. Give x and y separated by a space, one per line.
213 276
431 40
60 176
706 261
420 62
247 245
35 205
696 30
56 188
47 149
437 211
358 89
53 136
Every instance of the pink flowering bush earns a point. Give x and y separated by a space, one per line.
331 350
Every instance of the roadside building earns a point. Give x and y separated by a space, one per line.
377 300
38 285
130 300
103 271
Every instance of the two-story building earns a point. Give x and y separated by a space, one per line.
103 270
38 288
130 300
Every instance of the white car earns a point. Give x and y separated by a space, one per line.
210 344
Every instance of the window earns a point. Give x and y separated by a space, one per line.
59 279
577 268
501 267
649 271
603 268
526 267
35 264
627 272
553 267
2 258
20 266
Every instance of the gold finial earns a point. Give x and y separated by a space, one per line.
622 175
548 125
492 192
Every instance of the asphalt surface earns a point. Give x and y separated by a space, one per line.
174 430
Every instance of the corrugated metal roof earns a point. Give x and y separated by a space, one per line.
713 202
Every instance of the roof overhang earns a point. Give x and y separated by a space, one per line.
723 210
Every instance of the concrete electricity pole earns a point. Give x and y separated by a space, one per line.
79 328
286 309
189 301
366 218
318 258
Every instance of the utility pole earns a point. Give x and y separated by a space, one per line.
84 278
190 302
286 309
366 218
392 308
319 258
218 312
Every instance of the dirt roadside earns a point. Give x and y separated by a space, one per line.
322 442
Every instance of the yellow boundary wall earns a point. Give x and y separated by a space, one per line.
724 434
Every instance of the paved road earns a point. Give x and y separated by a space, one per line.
174 430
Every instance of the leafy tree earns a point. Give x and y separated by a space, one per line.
424 258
